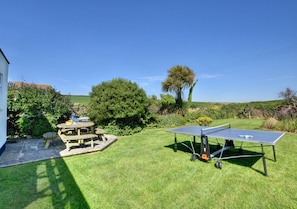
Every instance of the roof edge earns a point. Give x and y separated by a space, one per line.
4 56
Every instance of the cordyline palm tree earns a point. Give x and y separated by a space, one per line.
179 77
191 92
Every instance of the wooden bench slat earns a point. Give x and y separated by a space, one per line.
77 139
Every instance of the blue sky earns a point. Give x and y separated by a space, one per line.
240 51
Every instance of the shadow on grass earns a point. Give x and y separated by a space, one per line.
239 160
43 184
65 191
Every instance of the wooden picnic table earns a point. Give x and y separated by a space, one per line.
77 126
77 137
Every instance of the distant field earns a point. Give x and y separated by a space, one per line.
79 99
83 99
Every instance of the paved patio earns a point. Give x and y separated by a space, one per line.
22 151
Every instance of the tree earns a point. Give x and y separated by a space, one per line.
119 102
290 96
191 92
179 77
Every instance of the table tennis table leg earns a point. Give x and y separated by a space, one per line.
204 149
264 160
175 143
274 155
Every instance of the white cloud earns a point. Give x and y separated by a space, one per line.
153 78
210 76
148 80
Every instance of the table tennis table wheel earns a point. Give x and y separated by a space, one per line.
218 164
193 157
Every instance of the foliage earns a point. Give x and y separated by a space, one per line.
169 121
155 105
192 116
179 77
204 121
270 123
167 103
289 96
288 124
286 112
121 129
120 103
264 109
258 109
237 110
34 111
167 100
279 117
203 104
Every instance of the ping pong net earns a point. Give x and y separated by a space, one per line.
210 130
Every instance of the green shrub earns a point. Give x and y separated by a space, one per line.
194 105
167 102
192 116
33 110
120 104
155 104
34 125
270 123
204 121
170 120
289 124
120 130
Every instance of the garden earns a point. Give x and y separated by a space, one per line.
142 170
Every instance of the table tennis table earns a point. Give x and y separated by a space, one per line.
264 138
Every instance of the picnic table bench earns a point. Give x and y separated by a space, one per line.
48 137
77 140
100 133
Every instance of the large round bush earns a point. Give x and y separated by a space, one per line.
119 105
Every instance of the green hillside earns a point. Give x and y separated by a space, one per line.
81 99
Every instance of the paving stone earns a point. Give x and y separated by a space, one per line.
31 150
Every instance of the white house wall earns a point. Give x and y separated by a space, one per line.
3 99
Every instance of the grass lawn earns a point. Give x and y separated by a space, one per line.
143 171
